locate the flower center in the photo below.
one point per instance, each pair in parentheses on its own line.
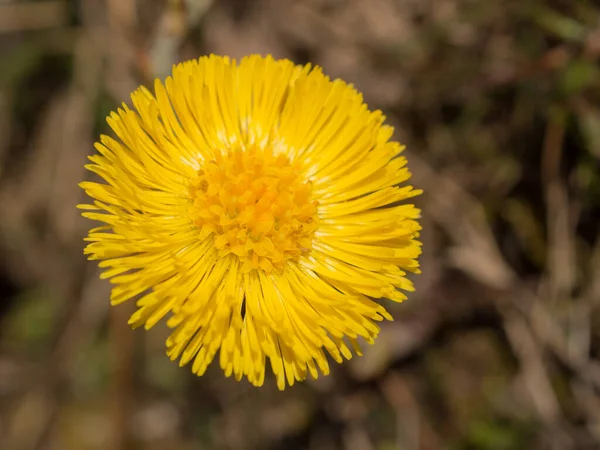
(257,206)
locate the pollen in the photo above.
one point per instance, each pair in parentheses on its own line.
(257,205)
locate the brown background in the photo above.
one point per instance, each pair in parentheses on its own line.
(498,349)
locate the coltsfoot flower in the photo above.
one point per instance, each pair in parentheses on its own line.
(260,205)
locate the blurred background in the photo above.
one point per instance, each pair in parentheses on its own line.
(498,349)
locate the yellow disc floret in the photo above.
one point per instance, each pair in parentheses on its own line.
(256,205)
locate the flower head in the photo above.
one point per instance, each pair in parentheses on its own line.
(259,204)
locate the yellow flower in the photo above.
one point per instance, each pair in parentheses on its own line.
(259,204)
